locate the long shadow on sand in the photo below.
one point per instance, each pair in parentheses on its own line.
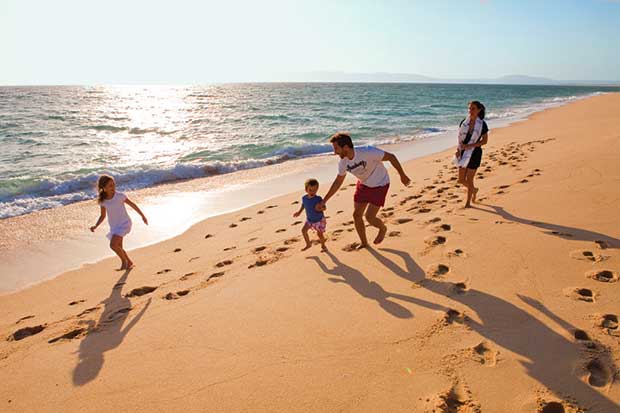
(106,334)
(343,273)
(548,357)
(564,232)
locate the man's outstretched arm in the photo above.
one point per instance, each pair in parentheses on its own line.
(334,188)
(391,158)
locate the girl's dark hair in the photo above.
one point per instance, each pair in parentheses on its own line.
(480,107)
(101,183)
(341,139)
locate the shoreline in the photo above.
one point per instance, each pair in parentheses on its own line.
(510,306)
(53,251)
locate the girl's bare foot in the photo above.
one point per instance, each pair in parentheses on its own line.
(306,247)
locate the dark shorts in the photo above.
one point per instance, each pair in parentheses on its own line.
(476,159)
(371,195)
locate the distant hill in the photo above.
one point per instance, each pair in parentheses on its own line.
(383,77)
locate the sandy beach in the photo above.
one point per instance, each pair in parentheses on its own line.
(510,306)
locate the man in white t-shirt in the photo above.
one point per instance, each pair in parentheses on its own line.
(366,164)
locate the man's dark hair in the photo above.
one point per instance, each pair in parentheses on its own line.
(342,139)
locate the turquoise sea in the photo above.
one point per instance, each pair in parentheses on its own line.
(57,140)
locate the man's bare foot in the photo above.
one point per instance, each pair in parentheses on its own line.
(362,246)
(473,197)
(467,206)
(380,235)
(306,247)
(130,265)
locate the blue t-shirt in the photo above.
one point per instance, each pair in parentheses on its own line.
(309,203)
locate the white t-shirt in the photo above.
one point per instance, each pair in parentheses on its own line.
(116,211)
(367,166)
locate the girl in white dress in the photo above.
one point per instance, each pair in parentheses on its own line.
(112,204)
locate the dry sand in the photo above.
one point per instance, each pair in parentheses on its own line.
(511,306)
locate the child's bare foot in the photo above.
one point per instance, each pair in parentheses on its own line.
(362,246)
(306,247)
(380,235)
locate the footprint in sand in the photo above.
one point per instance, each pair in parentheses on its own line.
(581,335)
(458,400)
(561,234)
(437,270)
(193,259)
(601,244)
(296,223)
(294,202)
(244,219)
(187,276)
(424,210)
(551,407)
(291,241)
(223,263)
(282,249)
(208,236)
(442,227)
(281,230)
(252,239)
(76,302)
(580,294)
(137,292)
(459,288)
(75,333)
(259,249)
(88,311)
(230,248)
(272,206)
(28,317)
(259,263)
(485,354)
(22,333)
(260,212)
(599,374)
(433,220)
(177,250)
(609,321)
(456,253)
(585,255)
(177,295)
(117,314)
(164,271)
(354,246)
(401,221)
(435,240)
(215,275)
(453,316)
(393,234)
(606,276)
(232,226)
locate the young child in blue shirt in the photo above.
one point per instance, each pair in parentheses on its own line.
(314,215)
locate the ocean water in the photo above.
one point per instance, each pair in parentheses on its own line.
(56,141)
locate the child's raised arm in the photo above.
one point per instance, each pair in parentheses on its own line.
(99,221)
(135,207)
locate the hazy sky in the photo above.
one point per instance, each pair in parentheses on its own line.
(76,42)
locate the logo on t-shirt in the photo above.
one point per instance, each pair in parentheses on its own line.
(356,165)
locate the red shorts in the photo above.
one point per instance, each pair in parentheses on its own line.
(367,194)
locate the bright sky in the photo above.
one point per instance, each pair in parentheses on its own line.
(183,41)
